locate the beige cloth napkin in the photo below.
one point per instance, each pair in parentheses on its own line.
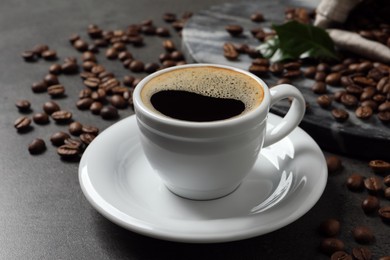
(331,12)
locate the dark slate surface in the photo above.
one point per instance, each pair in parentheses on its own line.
(204,37)
(43,213)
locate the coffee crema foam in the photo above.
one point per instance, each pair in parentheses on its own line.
(208,81)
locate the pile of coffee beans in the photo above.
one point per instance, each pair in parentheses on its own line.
(104,93)
(376,185)
(351,85)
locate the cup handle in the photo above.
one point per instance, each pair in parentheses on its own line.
(293,116)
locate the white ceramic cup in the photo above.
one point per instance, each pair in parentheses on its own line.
(208,160)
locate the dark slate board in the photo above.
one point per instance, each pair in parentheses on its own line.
(204,36)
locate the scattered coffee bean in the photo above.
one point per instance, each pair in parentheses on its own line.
(258,70)
(276,68)
(384,258)
(151,67)
(55,69)
(29,56)
(330,227)
(162,32)
(349,100)
(363,235)
(96,107)
(75,128)
(80,45)
(136,66)
(340,255)
(70,68)
(88,129)
(373,184)
(355,182)
(340,115)
(76,143)
(334,164)
(39,87)
(379,166)
(40,48)
(49,55)
(330,245)
(61,116)
(56,91)
(68,151)
(22,123)
(384,116)
(169,17)
(87,138)
(361,253)
(58,139)
(23,105)
(41,118)
(319,87)
(370,204)
(324,101)
(37,146)
(234,30)
(229,51)
(50,107)
(292,66)
(84,103)
(257,17)
(364,112)
(169,45)
(109,113)
(384,213)
(387,193)
(51,79)
(118,101)
(386,180)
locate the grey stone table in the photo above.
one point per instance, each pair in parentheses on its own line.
(43,212)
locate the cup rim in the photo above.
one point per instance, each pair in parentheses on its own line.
(146,112)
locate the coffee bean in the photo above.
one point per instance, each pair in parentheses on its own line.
(331,245)
(229,51)
(49,55)
(41,118)
(340,114)
(22,123)
(177,56)
(88,56)
(370,204)
(151,67)
(373,185)
(349,100)
(292,73)
(136,40)
(379,166)
(355,182)
(276,68)
(51,79)
(384,213)
(258,70)
(354,90)
(29,56)
(387,193)
(367,93)
(23,105)
(92,82)
(324,101)
(320,76)
(385,106)
(58,139)
(169,45)
(234,29)
(361,253)
(319,87)
(87,138)
(333,79)
(39,87)
(111,53)
(37,146)
(76,143)
(310,72)
(257,17)
(118,101)
(340,255)
(363,235)
(330,227)
(85,93)
(364,112)
(80,45)
(96,107)
(162,32)
(125,55)
(50,107)
(61,116)
(136,66)
(384,116)
(109,113)
(56,91)
(68,151)
(385,257)
(292,66)
(169,17)
(148,29)
(386,180)
(84,103)
(55,69)
(39,49)
(70,68)
(88,129)
(334,164)
(99,95)
(75,128)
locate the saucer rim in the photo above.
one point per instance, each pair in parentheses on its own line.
(151,230)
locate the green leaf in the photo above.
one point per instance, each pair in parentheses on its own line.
(296,40)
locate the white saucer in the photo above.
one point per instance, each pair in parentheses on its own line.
(287,180)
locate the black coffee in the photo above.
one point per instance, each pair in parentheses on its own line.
(191,106)
(202,94)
